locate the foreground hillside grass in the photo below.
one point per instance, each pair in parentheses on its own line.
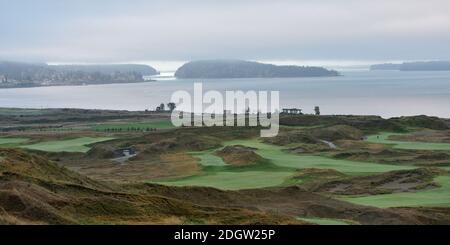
(34,190)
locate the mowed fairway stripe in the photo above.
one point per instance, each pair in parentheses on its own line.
(8,142)
(71,145)
(227,180)
(323,221)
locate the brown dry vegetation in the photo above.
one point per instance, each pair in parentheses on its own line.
(75,188)
(34,190)
(240,156)
(390,182)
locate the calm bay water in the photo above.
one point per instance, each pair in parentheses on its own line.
(385,93)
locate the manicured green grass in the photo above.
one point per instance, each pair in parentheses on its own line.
(229,180)
(282,166)
(434,197)
(207,158)
(160,124)
(322,221)
(70,145)
(11,142)
(284,159)
(383,138)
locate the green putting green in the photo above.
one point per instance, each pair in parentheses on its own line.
(11,142)
(439,196)
(323,221)
(70,145)
(207,158)
(383,138)
(160,124)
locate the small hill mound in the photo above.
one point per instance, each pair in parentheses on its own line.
(422,121)
(14,162)
(317,173)
(238,155)
(315,139)
(368,124)
(337,132)
(289,137)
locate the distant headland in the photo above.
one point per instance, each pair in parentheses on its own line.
(17,74)
(247,69)
(414,66)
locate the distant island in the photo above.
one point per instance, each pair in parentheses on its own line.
(17,74)
(414,66)
(247,69)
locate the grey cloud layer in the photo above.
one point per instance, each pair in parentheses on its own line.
(114,31)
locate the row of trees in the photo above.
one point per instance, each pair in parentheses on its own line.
(171,106)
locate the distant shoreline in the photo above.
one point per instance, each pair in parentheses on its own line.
(37,85)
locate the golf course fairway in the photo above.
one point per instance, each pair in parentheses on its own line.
(284,165)
(383,138)
(230,180)
(322,221)
(70,145)
(280,157)
(10,142)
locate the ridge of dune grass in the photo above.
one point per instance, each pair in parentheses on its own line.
(439,196)
(159,124)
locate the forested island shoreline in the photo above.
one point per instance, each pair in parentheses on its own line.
(26,75)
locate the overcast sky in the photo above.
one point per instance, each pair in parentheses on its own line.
(133,30)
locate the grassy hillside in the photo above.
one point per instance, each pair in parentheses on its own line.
(34,190)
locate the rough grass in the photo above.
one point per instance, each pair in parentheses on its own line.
(433,197)
(383,138)
(160,124)
(69,145)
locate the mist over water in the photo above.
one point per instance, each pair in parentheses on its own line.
(384,93)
